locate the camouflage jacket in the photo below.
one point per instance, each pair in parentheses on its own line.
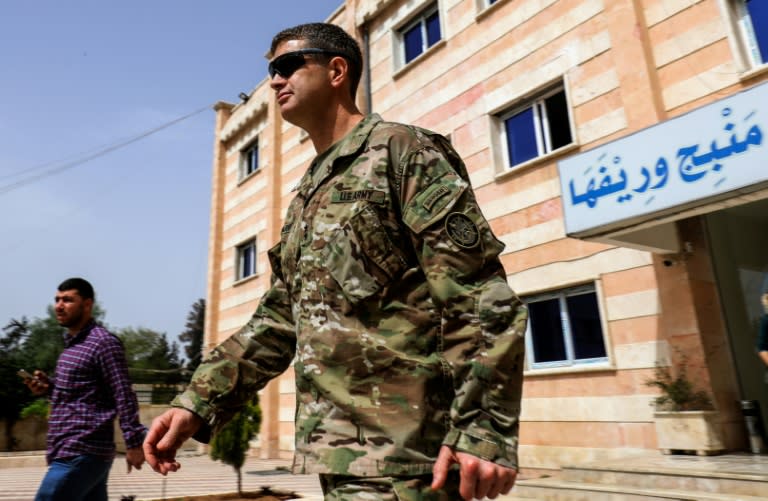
(388,296)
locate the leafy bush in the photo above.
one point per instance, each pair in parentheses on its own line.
(40,408)
(677,391)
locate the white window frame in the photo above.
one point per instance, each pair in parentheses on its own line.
(570,362)
(483,5)
(742,38)
(423,11)
(245,159)
(542,131)
(744,21)
(240,272)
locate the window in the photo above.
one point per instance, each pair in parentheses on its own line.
(249,160)
(537,129)
(246,260)
(565,329)
(421,34)
(753,21)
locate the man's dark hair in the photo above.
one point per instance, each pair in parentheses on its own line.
(329,37)
(82,286)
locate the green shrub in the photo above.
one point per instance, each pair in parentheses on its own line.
(40,408)
(230,445)
(677,391)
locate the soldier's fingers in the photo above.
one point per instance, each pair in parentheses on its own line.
(509,482)
(469,479)
(441,466)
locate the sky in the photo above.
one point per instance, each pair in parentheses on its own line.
(100,177)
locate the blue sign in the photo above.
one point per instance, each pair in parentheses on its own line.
(710,151)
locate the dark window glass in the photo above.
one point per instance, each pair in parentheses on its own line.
(547,329)
(557,116)
(246,260)
(433,29)
(521,137)
(758,12)
(566,329)
(413,43)
(251,159)
(586,331)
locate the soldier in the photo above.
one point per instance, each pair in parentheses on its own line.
(387,289)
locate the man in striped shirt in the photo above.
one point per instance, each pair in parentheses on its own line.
(90,387)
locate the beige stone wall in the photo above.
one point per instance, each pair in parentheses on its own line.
(30,432)
(625,65)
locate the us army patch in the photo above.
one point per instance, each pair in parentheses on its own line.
(462,230)
(340,197)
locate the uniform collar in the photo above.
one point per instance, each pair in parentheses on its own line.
(322,165)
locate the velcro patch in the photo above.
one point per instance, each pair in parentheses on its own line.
(462,230)
(342,197)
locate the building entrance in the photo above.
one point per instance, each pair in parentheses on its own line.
(738,241)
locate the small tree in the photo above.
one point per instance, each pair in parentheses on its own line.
(13,393)
(230,445)
(192,336)
(150,358)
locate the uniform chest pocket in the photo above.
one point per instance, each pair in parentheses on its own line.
(362,258)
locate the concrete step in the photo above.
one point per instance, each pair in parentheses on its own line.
(735,475)
(555,489)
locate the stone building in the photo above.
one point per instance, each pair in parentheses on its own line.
(616,147)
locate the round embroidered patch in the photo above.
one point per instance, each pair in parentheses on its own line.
(462,230)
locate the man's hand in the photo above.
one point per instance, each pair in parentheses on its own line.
(166,435)
(479,478)
(38,384)
(134,457)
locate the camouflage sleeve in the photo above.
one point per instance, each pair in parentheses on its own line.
(483,321)
(231,374)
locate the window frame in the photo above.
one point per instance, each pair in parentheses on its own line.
(749,39)
(244,172)
(422,13)
(741,37)
(537,102)
(570,362)
(240,249)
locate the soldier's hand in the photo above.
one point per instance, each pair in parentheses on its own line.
(479,478)
(166,436)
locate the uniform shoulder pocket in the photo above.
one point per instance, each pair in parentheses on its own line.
(433,202)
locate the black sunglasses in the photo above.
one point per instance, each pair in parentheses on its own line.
(285,64)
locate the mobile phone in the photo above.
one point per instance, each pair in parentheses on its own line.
(24,374)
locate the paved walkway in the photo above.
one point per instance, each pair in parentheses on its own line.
(198,475)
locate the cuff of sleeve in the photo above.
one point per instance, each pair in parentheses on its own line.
(135,439)
(495,450)
(192,402)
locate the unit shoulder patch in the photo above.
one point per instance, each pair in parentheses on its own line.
(462,230)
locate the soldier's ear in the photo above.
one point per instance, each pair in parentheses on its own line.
(339,70)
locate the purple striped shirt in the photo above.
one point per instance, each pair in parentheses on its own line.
(90,388)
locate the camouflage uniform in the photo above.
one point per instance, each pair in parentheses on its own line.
(388,291)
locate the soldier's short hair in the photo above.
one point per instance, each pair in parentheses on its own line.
(330,37)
